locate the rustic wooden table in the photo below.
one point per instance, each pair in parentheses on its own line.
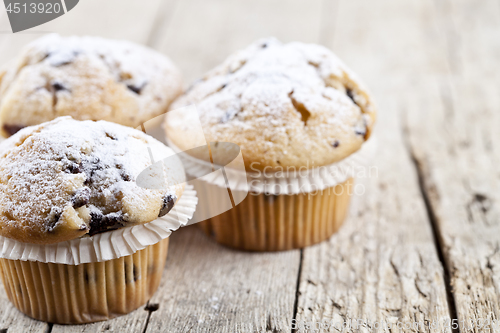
(420,245)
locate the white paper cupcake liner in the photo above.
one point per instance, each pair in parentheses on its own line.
(108,245)
(302,180)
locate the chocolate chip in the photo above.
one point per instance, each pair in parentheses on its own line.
(53,217)
(58,86)
(168,203)
(359,131)
(350,94)
(125,176)
(12,129)
(111,136)
(336,143)
(135,88)
(264,45)
(81,198)
(95,219)
(102,223)
(73,168)
(90,166)
(53,88)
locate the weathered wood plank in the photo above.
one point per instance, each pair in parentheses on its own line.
(132,322)
(11,320)
(454,137)
(382,267)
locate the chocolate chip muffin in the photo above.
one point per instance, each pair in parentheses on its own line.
(284,104)
(290,108)
(69,183)
(66,178)
(88,78)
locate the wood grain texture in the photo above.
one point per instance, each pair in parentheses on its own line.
(453,129)
(209,288)
(382,268)
(135,321)
(12,320)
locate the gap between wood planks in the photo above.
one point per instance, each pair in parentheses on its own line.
(433,221)
(297,289)
(460,164)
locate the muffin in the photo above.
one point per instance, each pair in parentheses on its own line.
(290,108)
(88,78)
(75,218)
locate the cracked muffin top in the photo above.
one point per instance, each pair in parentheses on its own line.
(88,78)
(64,179)
(285,105)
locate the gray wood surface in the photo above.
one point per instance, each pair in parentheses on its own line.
(420,245)
(453,124)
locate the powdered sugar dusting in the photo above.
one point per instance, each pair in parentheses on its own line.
(66,178)
(87,78)
(283,104)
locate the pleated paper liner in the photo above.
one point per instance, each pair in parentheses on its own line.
(284,212)
(102,278)
(265,222)
(75,294)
